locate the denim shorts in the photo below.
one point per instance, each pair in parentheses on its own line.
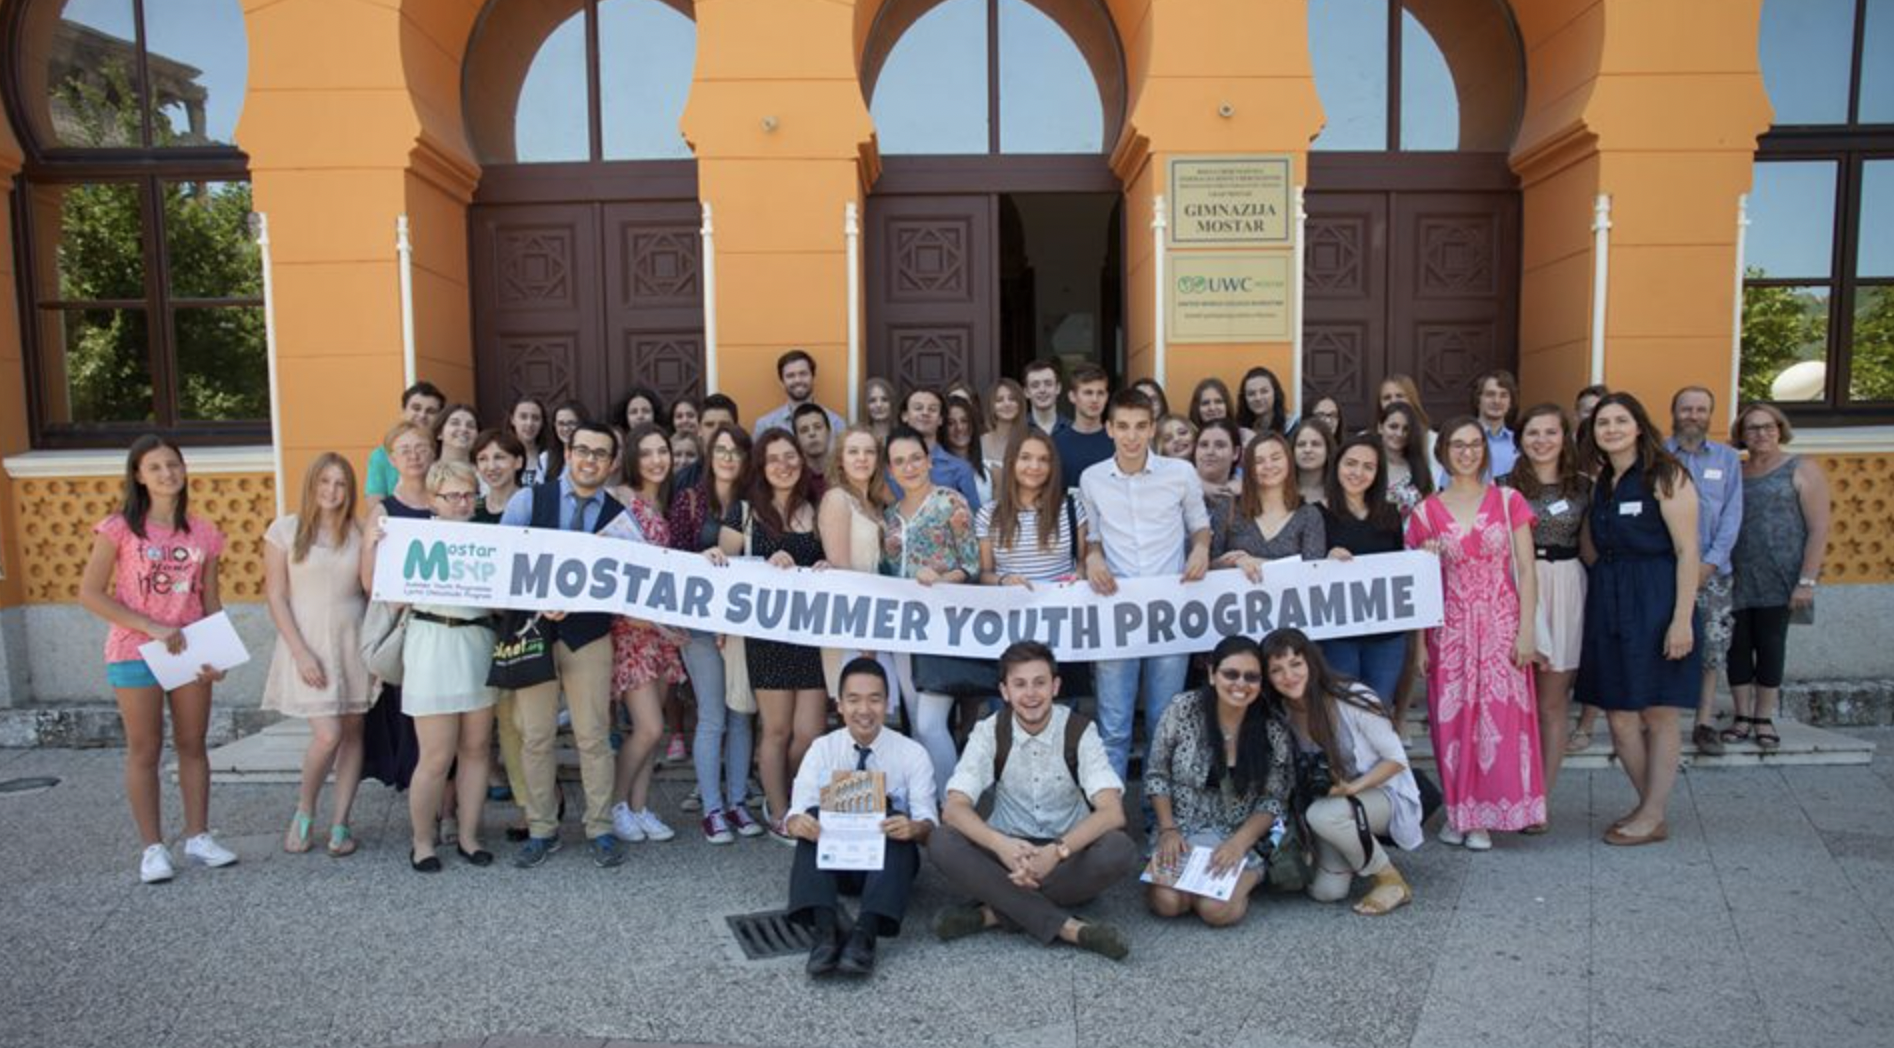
(131,673)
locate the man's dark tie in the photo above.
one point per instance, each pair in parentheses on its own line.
(861,756)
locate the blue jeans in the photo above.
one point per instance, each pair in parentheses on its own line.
(703,660)
(1374,660)
(1125,684)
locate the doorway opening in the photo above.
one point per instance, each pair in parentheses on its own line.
(1061,280)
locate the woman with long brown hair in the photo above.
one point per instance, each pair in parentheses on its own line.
(1639,661)
(850,520)
(1347,741)
(312,583)
(776,520)
(1558,494)
(1410,474)
(1270,520)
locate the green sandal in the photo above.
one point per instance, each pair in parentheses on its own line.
(341,841)
(296,841)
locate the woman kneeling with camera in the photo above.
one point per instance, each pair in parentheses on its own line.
(1352,778)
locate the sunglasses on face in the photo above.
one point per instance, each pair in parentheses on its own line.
(1241,676)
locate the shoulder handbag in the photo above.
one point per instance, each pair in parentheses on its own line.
(384,632)
(738,696)
(522,653)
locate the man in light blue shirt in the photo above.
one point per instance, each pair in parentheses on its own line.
(796,371)
(922,410)
(1148,518)
(1496,404)
(1717,472)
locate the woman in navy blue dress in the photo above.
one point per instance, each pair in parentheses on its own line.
(1639,661)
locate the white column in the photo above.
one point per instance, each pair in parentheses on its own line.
(260,229)
(1297,261)
(1160,355)
(1736,307)
(708,266)
(404,250)
(1601,282)
(851,237)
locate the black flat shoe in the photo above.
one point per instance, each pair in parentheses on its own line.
(431,864)
(858,957)
(823,958)
(477,857)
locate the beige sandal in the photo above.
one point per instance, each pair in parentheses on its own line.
(1390,893)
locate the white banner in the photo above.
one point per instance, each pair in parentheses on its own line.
(488,566)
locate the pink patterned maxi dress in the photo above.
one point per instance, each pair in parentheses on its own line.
(1482,712)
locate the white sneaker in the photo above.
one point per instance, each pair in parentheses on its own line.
(1451,837)
(1479,840)
(626,826)
(203,850)
(154,867)
(654,827)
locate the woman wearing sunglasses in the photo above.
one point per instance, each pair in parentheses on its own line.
(1219,777)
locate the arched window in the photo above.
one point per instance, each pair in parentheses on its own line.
(141,283)
(1386,84)
(994,76)
(1818,301)
(602,80)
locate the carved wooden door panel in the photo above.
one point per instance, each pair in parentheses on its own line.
(932,296)
(1455,303)
(535,304)
(654,299)
(1345,301)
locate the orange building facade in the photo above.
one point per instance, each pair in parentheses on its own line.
(355,113)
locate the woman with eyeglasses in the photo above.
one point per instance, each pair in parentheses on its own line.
(445,656)
(389,747)
(1328,411)
(722,743)
(776,520)
(565,420)
(1777,561)
(1482,712)
(1219,777)
(1345,737)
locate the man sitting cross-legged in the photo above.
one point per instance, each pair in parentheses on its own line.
(1056,838)
(862,744)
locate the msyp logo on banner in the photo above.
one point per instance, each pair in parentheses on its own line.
(434,571)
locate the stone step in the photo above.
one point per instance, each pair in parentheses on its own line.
(274,755)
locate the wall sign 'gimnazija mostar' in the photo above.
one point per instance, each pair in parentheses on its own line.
(1232,201)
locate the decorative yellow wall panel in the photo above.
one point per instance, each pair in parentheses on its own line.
(1861,537)
(57,515)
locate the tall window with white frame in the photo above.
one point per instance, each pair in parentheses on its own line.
(140,280)
(1818,289)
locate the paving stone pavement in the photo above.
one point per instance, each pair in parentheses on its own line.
(1768,919)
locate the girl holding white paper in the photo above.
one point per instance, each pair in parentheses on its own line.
(153,571)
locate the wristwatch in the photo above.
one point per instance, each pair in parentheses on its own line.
(1064,852)
(1805,581)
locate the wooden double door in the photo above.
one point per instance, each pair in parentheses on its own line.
(584,299)
(1411,266)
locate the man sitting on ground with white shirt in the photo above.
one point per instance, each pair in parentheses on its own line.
(1056,838)
(861,745)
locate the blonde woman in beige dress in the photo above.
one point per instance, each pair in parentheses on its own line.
(849,519)
(314,591)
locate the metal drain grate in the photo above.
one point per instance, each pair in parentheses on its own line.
(769,934)
(32,785)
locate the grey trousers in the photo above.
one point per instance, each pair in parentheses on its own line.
(972,870)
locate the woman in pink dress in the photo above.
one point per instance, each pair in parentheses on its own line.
(1481,709)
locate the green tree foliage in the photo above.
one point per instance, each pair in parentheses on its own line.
(1871,374)
(1781,326)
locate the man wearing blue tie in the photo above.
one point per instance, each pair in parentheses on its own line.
(862,744)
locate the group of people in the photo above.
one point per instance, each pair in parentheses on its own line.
(1582,554)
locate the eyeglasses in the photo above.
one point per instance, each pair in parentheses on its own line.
(1467,446)
(455,496)
(1761,427)
(580,451)
(1241,676)
(727,454)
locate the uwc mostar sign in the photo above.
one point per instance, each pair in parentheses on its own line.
(487,566)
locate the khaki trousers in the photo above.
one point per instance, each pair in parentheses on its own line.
(586,678)
(973,870)
(508,730)
(1338,857)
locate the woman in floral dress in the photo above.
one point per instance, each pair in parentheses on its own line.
(1481,709)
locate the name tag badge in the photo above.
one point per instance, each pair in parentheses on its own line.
(1630,509)
(1559,507)
(1713,474)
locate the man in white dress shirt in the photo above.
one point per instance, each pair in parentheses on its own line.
(1147,519)
(1056,838)
(862,744)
